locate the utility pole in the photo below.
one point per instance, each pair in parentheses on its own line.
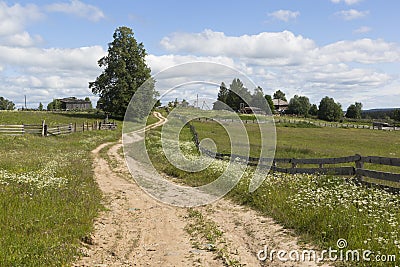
(25,101)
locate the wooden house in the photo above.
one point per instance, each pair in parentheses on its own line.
(73,103)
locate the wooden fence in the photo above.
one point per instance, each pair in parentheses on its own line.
(49,130)
(375,125)
(356,170)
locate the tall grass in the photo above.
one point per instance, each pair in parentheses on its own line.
(48,197)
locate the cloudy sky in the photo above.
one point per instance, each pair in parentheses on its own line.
(345,49)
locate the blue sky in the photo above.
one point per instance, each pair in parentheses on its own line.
(346,49)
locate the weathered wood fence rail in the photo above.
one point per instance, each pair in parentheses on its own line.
(276,164)
(50,130)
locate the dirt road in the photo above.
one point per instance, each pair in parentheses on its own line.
(137,230)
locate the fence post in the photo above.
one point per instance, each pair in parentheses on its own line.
(359,166)
(294,165)
(83,127)
(43,130)
(75,128)
(70,128)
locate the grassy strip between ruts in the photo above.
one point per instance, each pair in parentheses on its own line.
(322,209)
(48,197)
(203,230)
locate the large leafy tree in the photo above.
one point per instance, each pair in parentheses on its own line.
(6,104)
(313,110)
(55,104)
(124,71)
(329,110)
(299,105)
(354,111)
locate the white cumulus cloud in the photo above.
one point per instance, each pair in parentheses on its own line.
(348,2)
(363,29)
(13,19)
(78,8)
(263,45)
(284,15)
(352,14)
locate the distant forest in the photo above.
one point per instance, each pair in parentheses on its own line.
(378,113)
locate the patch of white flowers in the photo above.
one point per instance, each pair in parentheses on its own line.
(378,210)
(41,179)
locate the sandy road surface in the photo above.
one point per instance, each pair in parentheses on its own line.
(137,230)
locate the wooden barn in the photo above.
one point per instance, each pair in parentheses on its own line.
(73,103)
(280,105)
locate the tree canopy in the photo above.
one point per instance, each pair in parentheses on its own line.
(299,105)
(53,105)
(354,111)
(396,115)
(329,110)
(280,95)
(238,95)
(124,71)
(313,110)
(270,103)
(258,100)
(221,98)
(6,104)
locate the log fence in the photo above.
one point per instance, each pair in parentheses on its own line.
(356,170)
(374,126)
(52,130)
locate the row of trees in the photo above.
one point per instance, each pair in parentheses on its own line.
(238,95)
(327,110)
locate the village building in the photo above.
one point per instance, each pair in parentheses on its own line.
(73,103)
(280,105)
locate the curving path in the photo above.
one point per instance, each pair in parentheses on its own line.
(137,230)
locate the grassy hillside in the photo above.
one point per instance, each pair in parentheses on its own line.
(48,198)
(51,118)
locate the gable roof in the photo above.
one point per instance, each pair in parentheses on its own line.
(73,100)
(280,102)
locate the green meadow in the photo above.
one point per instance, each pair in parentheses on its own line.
(48,196)
(321,209)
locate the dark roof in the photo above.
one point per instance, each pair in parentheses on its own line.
(73,100)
